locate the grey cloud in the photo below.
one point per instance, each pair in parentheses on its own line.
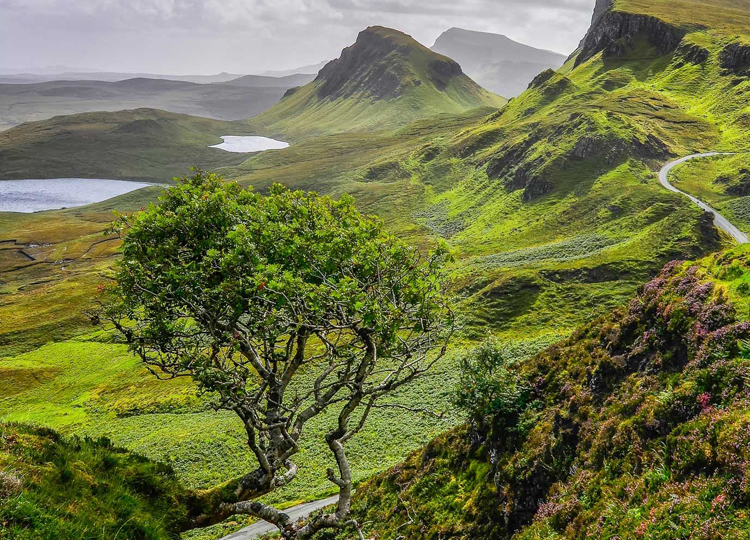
(183,36)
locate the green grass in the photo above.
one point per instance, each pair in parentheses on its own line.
(727,17)
(54,488)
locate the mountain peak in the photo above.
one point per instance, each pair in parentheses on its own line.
(385,80)
(495,61)
(382,64)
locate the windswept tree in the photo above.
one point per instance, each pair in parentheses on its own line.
(282,308)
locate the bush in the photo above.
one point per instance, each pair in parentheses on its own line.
(488,386)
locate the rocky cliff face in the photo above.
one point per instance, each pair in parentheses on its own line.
(601,7)
(735,58)
(614,32)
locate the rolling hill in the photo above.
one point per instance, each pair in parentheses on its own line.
(237,99)
(498,63)
(383,81)
(140,144)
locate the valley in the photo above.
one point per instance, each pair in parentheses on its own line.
(556,207)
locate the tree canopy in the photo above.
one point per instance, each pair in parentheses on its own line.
(244,292)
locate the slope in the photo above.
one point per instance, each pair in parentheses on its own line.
(68,489)
(383,81)
(635,427)
(135,144)
(498,63)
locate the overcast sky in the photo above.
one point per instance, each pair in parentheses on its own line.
(250,36)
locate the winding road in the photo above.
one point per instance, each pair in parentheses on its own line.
(296,512)
(720,221)
(303,510)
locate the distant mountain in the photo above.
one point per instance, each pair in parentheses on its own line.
(107,76)
(498,63)
(385,80)
(312,69)
(237,99)
(263,81)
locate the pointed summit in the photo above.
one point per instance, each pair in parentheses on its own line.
(384,80)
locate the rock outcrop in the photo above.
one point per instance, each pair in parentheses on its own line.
(735,58)
(693,53)
(615,32)
(542,78)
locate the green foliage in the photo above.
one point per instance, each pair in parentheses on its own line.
(640,430)
(244,292)
(488,384)
(68,489)
(214,263)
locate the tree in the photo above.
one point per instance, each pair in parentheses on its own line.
(281,307)
(488,386)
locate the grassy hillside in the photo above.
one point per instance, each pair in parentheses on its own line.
(723,182)
(635,427)
(143,144)
(721,17)
(67,489)
(385,80)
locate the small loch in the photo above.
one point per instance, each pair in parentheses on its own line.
(33,195)
(245,144)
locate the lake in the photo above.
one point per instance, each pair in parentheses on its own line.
(244,144)
(35,195)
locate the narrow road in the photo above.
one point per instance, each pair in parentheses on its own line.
(719,220)
(296,512)
(303,510)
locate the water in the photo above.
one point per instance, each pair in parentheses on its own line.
(35,195)
(246,144)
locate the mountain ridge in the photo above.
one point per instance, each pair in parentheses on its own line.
(384,80)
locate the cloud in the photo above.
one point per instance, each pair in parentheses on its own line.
(257,34)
